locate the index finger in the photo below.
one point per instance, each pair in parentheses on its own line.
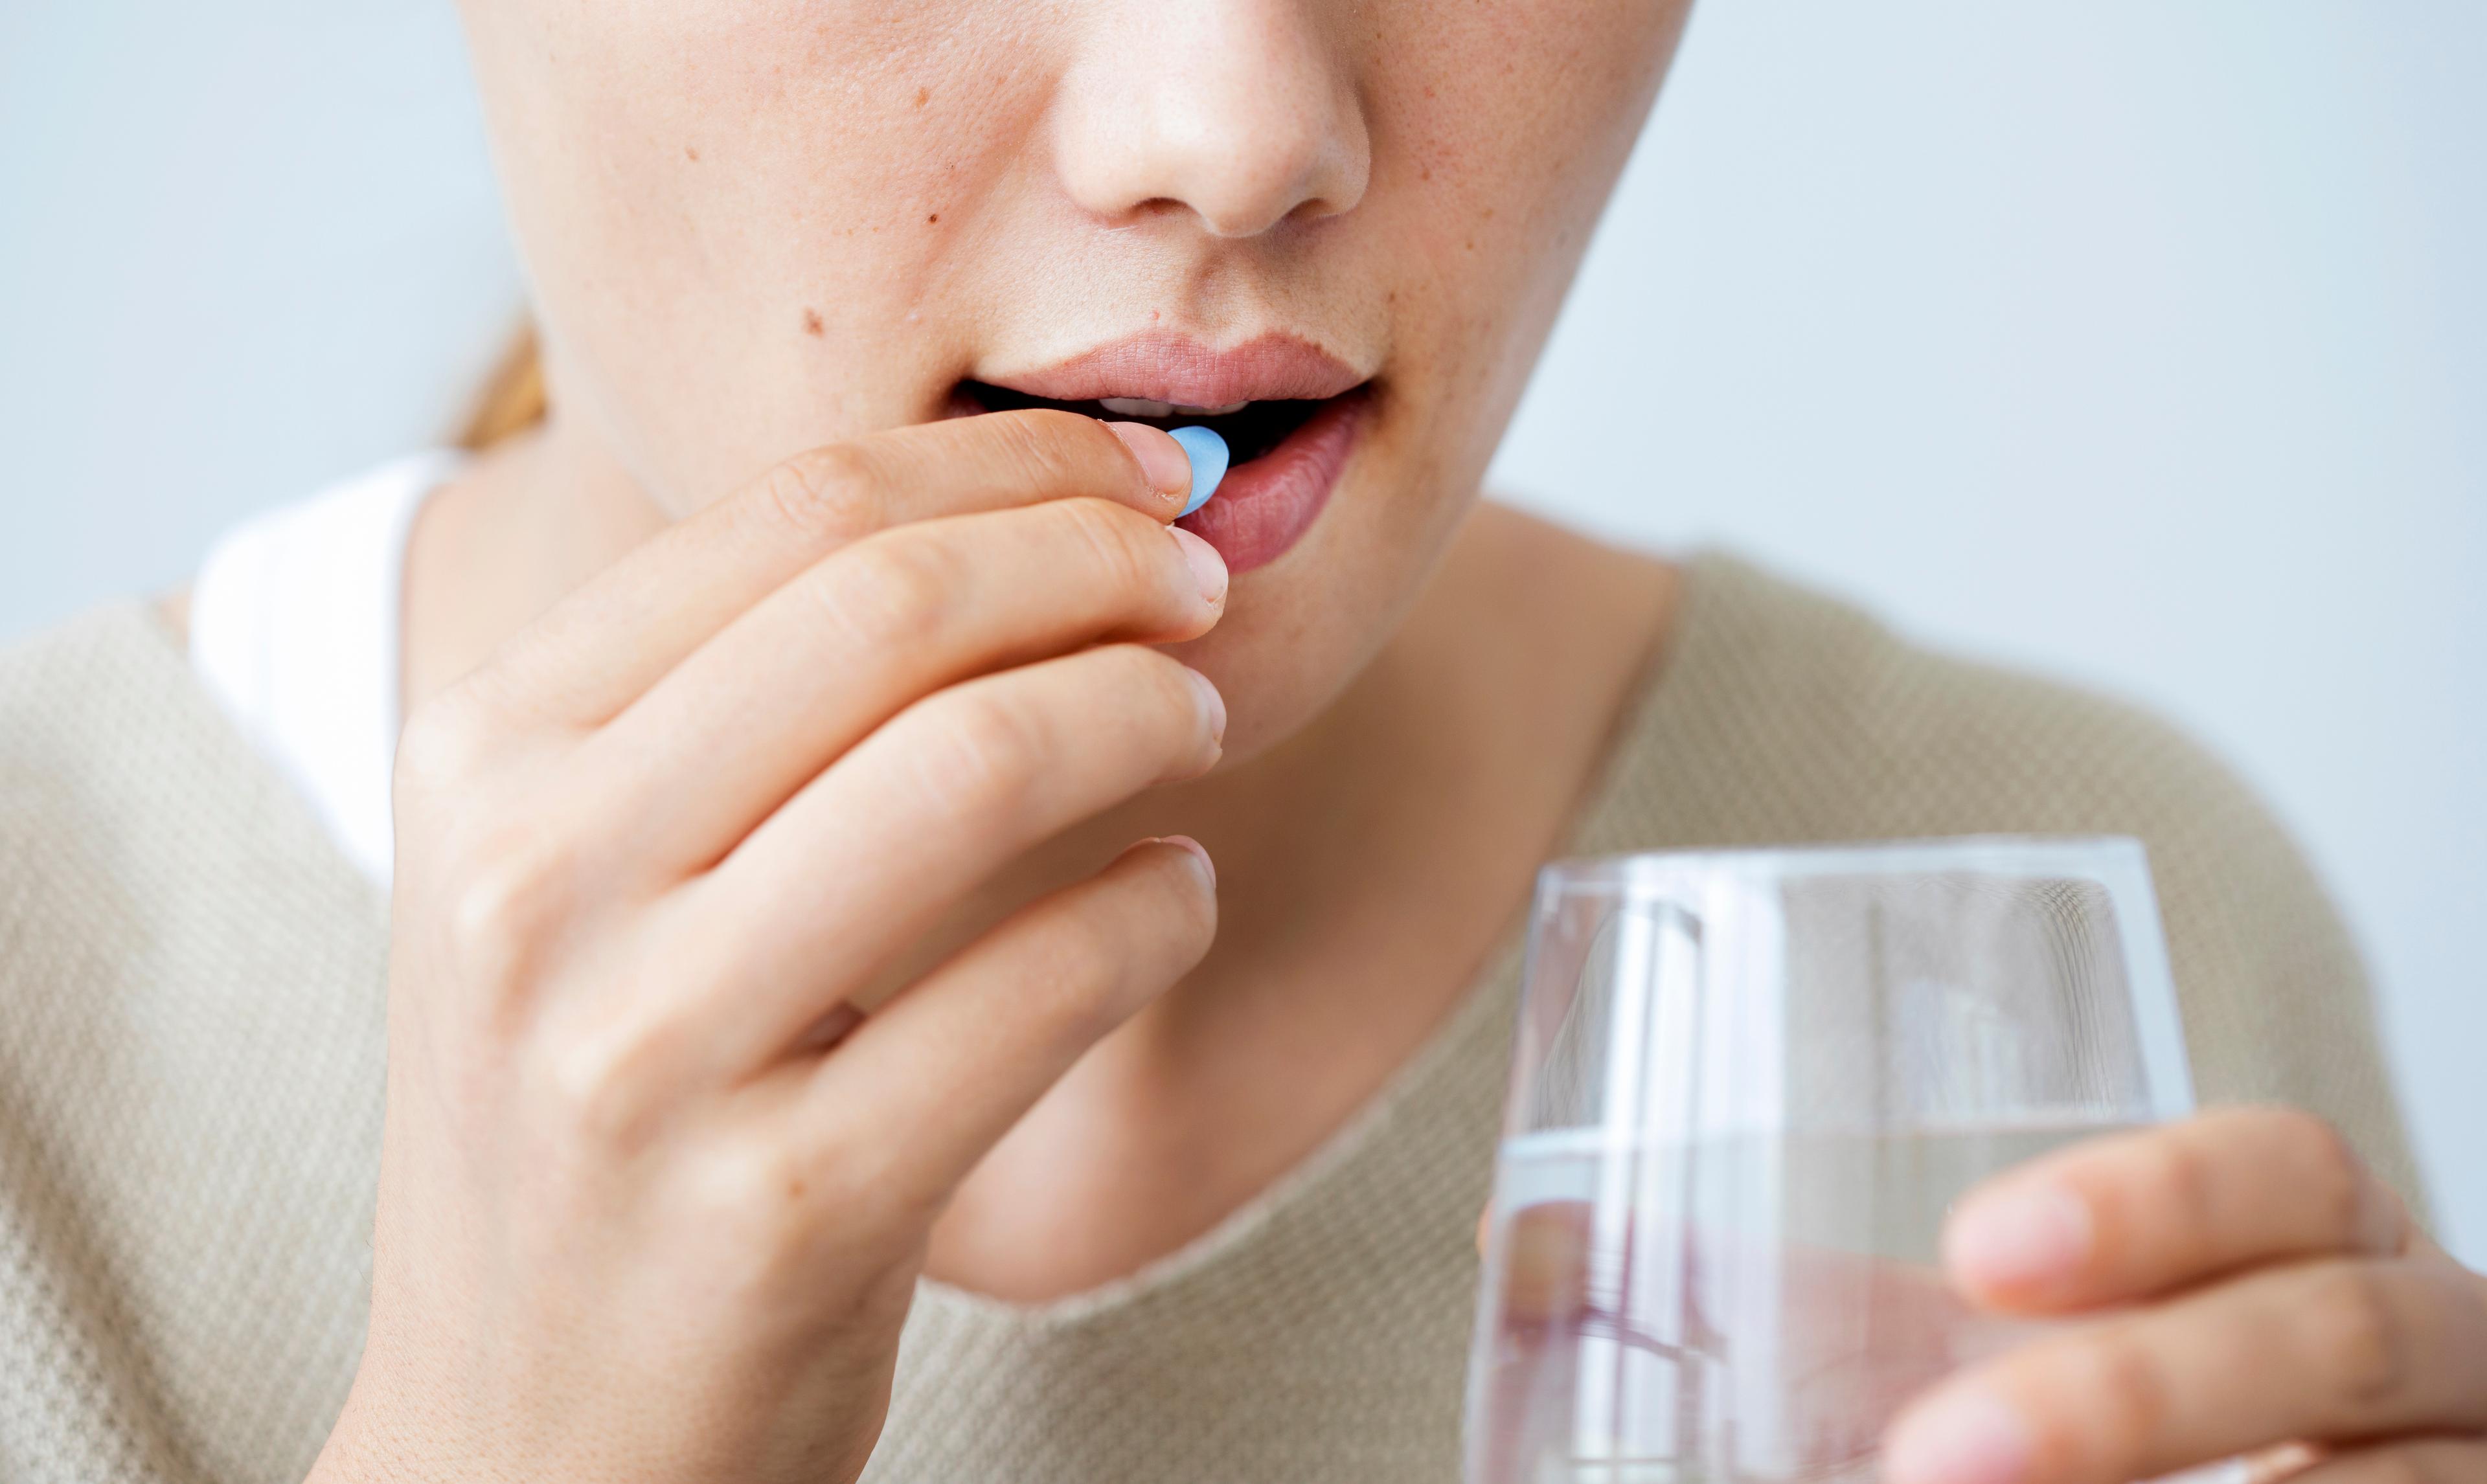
(603,647)
(2136,1215)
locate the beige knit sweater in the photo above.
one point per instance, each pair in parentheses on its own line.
(190,1058)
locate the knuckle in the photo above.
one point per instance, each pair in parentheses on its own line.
(749,1183)
(2338,1177)
(823,496)
(751,1197)
(594,1085)
(1073,981)
(1178,697)
(508,902)
(982,756)
(2183,1181)
(444,741)
(889,592)
(872,1183)
(2356,1329)
(2327,1174)
(2132,1390)
(2444,1461)
(1047,448)
(1141,934)
(773,1208)
(1156,691)
(1126,551)
(1146,672)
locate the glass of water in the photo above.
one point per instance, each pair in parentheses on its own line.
(1746,1086)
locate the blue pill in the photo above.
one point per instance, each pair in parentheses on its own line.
(1208,453)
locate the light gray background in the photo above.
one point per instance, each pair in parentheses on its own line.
(2144,343)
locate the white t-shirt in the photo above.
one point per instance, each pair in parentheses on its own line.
(293,630)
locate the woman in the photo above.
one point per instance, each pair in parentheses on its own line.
(769,966)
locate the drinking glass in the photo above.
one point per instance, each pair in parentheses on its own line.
(1746,1085)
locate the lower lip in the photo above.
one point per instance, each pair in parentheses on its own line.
(1265,506)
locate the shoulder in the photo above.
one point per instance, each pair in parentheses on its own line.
(65,688)
(191,1033)
(128,798)
(1801,716)
(1787,715)
(89,710)
(163,894)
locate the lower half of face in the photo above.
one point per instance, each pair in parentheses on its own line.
(1336,232)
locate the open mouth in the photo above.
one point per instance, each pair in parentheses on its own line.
(1288,454)
(1293,415)
(1251,429)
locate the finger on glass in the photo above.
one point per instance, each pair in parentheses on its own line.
(2141,1214)
(1746,1086)
(2335,1350)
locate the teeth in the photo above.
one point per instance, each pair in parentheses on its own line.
(1143,407)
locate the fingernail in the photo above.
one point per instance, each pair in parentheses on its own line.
(2019,1238)
(1970,1437)
(1199,853)
(1207,567)
(1213,705)
(1161,458)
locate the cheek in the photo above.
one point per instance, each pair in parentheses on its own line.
(730,221)
(1512,120)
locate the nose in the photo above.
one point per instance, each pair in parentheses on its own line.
(1242,111)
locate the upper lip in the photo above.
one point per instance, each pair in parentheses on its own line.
(1175,368)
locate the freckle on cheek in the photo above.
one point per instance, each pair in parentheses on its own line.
(812,322)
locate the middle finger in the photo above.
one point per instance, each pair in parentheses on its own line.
(870,854)
(701,759)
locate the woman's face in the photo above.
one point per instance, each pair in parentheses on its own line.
(758,226)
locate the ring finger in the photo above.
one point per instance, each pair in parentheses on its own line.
(2338,1349)
(867,856)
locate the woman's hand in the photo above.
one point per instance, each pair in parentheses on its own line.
(653,1195)
(2271,1298)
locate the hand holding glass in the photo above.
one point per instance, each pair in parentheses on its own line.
(1747,1086)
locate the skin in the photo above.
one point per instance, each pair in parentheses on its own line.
(749,691)
(2250,1292)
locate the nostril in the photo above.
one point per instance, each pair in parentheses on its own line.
(1298,186)
(1243,116)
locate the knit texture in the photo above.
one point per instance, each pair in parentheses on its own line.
(191,1008)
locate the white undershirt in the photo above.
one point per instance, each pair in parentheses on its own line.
(293,630)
